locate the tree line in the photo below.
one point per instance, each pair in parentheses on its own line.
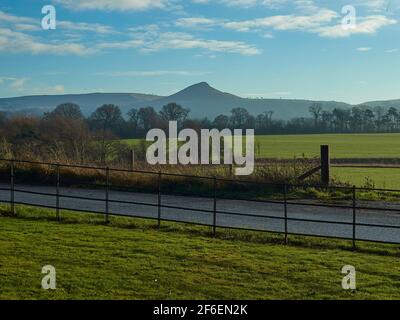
(108,120)
(65,133)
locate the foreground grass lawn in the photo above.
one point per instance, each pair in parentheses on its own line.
(342,145)
(131,259)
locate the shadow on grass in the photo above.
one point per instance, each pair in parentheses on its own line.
(143,224)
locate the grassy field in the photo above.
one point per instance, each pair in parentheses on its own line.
(131,259)
(380,177)
(342,145)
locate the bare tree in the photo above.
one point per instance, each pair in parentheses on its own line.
(174,112)
(316,111)
(67,110)
(106,117)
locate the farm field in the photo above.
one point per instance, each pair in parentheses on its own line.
(342,145)
(383,178)
(131,259)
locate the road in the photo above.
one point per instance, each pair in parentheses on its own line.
(235,206)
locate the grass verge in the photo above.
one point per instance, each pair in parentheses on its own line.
(132,259)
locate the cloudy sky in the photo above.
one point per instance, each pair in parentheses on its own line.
(253,48)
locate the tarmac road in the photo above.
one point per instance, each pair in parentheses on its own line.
(235,206)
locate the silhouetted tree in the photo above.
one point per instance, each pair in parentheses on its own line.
(67,110)
(174,112)
(107,118)
(221,122)
(241,119)
(316,111)
(147,118)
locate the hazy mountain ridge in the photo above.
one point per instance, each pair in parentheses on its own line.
(88,102)
(202,99)
(383,103)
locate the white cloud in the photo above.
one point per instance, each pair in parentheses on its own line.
(47,89)
(365,25)
(121,5)
(197,22)
(18,83)
(152,73)
(9,18)
(364,49)
(18,42)
(312,18)
(30,24)
(240,3)
(150,39)
(308,5)
(27,27)
(180,40)
(374,5)
(285,22)
(326,23)
(57,89)
(126,44)
(16,36)
(273,4)
(14,82)
(22,34)
(86,27)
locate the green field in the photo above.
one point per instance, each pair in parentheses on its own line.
(380,177)
(342,145)
(131,259)
(347,146)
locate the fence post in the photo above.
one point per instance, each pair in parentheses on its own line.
(131,159)
(12,187)
(286,213)
(159,198)
(325,165)
(58,192)
(215,208)
(107,193)
(354,217)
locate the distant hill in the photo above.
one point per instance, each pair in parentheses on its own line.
(87,102)
(383,103)
(202,100)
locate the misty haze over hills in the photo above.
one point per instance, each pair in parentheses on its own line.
(202,100)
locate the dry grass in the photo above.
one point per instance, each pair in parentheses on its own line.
(175,179)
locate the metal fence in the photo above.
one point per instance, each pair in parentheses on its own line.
(281,213)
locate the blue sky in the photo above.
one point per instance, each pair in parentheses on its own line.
(294,49)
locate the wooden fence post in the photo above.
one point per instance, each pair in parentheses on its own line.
(107,193)
(58,192)
(215,207)
(159,198)
(325,165)
(286,212)
(131,159)
(354,216)
(12,187)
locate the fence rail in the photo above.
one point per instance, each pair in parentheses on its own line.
(354,222)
